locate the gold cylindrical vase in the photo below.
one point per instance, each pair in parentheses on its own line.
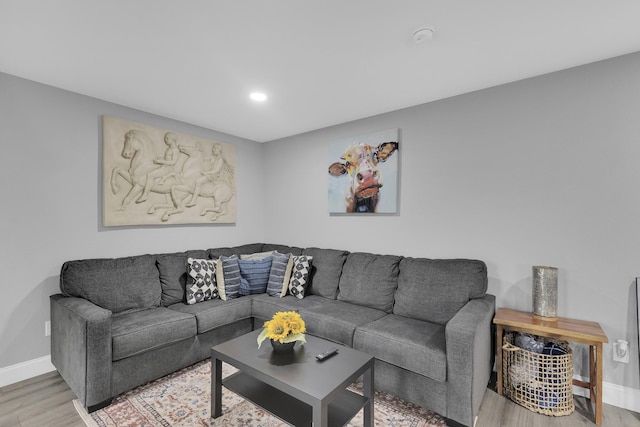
(545,292)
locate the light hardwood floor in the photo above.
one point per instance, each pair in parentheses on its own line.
(46,401)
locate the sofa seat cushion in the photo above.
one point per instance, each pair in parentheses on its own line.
(337,320)
(214,313)
(141,331)
(369,280)
(264,306)
(411,344)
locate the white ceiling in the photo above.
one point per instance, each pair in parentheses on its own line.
(321,62)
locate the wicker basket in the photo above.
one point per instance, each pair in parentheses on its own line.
(540,382)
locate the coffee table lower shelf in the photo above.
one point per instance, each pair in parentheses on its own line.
(291,410)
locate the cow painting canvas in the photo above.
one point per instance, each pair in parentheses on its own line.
(364,174)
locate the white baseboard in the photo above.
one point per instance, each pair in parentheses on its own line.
(616,395)
(25,370)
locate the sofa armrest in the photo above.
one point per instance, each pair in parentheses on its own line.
(81,347)
(469,343)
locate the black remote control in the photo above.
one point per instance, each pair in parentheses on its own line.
(327,354)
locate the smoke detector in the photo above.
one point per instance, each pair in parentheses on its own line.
(423,34)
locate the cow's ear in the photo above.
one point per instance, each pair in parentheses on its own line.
(337,169)
(386,149)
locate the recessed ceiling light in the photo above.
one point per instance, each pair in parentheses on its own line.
(258,96)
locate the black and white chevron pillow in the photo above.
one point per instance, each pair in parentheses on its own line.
(300,275)
(201,280)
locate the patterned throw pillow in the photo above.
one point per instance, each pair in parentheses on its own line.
(300,275)
(254,275)
(201,280)
(280,274)
(228,277)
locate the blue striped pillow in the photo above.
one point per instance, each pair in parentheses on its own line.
(254,275)
(279,275)
(228,277)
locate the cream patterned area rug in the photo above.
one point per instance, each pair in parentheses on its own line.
(184,398)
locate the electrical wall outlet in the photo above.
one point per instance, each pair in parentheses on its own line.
(621,351)
(47,328)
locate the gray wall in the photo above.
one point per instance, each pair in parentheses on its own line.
(538,172)
(51,209)
(541,171)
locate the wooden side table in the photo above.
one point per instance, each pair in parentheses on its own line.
(578,331)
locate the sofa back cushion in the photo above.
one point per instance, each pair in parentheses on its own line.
(216,253)
(249,248)
(173,274)
(283,249)
(369,280)
(118,284)
(435,290)
(172,269)
(325,271)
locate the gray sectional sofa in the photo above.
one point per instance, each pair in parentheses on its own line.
(119,323)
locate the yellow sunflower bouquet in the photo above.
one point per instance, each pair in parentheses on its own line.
(284,327)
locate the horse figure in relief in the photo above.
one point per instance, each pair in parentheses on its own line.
(145,172)
(207,175)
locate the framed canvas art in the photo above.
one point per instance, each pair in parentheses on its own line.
(364,174)
(638,310)
(154,176)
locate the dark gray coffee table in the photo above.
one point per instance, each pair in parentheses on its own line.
(295,387)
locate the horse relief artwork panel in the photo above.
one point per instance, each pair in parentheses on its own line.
(363,173)
(154,176)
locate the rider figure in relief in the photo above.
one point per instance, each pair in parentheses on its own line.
(215,163)
(166,166)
